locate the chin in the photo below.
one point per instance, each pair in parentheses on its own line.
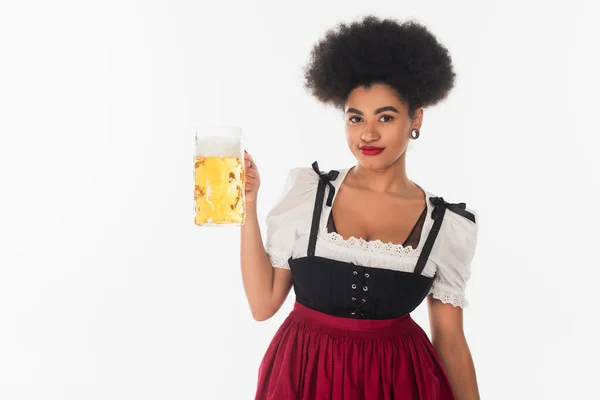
(373,162)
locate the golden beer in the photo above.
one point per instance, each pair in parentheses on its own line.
(219,196)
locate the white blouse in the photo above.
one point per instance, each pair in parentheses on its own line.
(288,229)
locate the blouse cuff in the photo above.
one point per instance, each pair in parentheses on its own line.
(447,297)
(279,261)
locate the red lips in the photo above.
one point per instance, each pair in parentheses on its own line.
(371,150)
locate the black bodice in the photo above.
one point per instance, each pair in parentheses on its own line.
(348,290)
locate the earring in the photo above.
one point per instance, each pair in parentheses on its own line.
(415,133)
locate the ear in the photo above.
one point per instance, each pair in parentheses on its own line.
(418,119)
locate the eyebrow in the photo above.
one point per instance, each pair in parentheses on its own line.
(379,110)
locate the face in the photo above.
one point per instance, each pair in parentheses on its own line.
(378,126)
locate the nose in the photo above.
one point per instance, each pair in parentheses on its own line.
(369,135)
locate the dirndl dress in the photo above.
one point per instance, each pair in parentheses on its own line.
(340,343)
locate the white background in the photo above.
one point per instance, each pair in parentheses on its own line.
(109,291)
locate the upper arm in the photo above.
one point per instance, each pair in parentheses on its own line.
(282,224)
(283,219)
(453,253)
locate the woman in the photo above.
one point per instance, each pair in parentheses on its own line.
(364,246)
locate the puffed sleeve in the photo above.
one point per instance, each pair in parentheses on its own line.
(453,253)
(283,219)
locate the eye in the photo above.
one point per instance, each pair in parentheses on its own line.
(353,121)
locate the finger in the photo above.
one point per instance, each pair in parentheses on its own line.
(250,164)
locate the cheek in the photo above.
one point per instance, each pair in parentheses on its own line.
(400,141)
(397,144)
(401,146)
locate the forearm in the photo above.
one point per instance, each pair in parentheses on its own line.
(458,364)
(257,271)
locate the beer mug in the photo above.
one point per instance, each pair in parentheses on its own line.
(219,196)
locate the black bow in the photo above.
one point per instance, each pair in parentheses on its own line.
(327,178)
(459,208)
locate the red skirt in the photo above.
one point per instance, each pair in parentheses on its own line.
(316,356)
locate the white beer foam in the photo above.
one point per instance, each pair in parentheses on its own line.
(219,141)
(218,147)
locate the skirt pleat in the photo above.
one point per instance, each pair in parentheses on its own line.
(316,356)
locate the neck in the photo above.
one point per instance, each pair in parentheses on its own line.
(391,180)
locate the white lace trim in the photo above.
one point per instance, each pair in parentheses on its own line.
(278,261)
(449,298)
(371,246)
(369,254)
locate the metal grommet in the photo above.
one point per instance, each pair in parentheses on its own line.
(354,286)
(364,301)
(366,275)
(355,273)
(354,299)
(365,288)
(353,312)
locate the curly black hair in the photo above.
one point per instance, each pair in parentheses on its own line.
(405,56)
